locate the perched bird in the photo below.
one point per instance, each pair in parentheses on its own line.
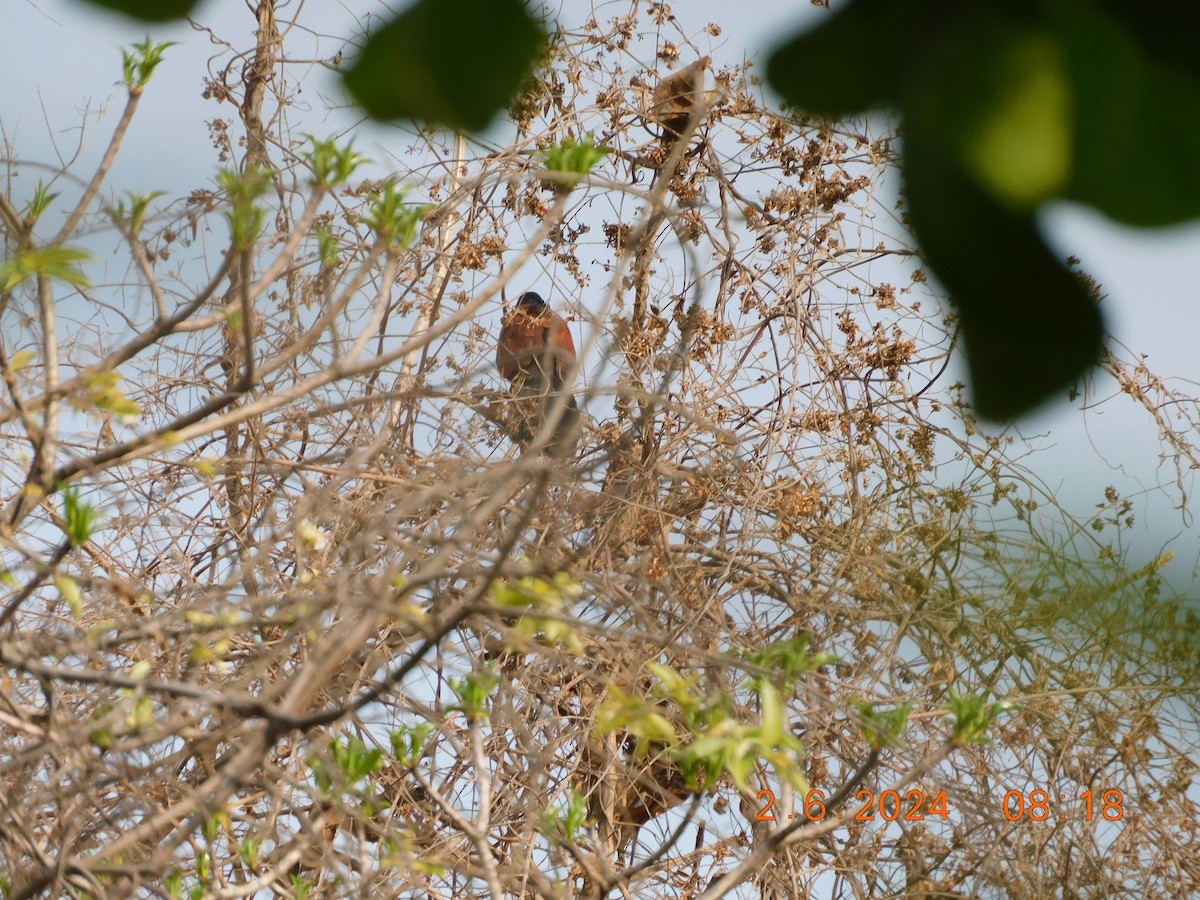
(676,95)
(535,342)
(535,352)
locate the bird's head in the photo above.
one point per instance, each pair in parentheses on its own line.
(531,303)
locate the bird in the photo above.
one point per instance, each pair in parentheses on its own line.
(535,352)
(676,95)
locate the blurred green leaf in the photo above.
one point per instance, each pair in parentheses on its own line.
(68,589)
(473,691)
(644,721)
(973,715)
(812,71)
(882,727)
(134,217)
(394,221)
(1137,129)
(408,742)
(789,661)
(80,517)
(1166,31)
(547,594)
(1030,327)
(999,98)
(772,712)
(250,849)
(447,62)
(566,823)
(355,759)
(21,359)
(1006,106)
(153,11)
(56,262)
(102,738)
(327,245)
(246,216)
(104,394)
(736,748)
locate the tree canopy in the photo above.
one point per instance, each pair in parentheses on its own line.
(292,602)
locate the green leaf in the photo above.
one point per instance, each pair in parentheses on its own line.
(565,824)
(1165,31)
(473,692)
(549,631)
(154,11)
(250,849)
(408,742)
(68,589)
(676,685)
(80,517)
(1022,144)
(973,715)
(246,216)
(21,359)
(394,221)
(739,766)
(789,660)
(567,163)
(355,759)
(1006,106)
(772,713)
(1066,98)
(1137,128)
(133,217)
(447,62)
(104,395)
(547,594)
(327,245)
(205,466)
(301,887)
(331,165)
(882,727)
(42,198)
(641,719)
(812,71)
(1030,327)
(56,262)
(430,867)
(140,66)
(999,97)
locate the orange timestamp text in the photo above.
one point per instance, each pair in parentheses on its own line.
(1039,805)
(889,805)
